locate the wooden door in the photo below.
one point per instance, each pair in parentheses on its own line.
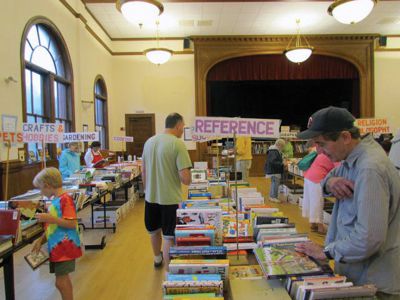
(141,127)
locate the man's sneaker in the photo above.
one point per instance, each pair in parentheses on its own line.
(274,200)
(159,264)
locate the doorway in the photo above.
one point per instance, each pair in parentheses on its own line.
(141,127)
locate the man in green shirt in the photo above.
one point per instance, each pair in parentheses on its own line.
(166,164)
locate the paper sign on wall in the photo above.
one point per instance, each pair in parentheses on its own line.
(49,133)
(81,137)
(212,126)
(127,139)
(375,126)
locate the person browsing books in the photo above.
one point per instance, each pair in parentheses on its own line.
(274,167)
(70,160)
(61,230)
(93,157)
(166,164)
(363,236)
(243,156)
(313,200)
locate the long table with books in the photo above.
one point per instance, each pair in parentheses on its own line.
(236,246)
(25,206)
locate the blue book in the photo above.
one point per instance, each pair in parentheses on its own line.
(193,277)
(198,250)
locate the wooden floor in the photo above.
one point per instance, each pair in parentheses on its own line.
(124,269)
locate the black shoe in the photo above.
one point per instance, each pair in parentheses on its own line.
(159,264)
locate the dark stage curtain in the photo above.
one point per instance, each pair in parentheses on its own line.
(277,67)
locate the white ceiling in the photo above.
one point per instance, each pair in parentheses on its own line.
(251,18)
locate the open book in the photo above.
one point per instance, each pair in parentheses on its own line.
(104,160)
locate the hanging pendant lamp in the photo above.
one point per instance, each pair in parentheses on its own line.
(140,12)
(158,56)
(351,11)
(299,52)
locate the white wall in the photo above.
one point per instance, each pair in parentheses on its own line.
(142,86)
(387,87)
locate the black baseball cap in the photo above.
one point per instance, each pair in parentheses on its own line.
(328,119)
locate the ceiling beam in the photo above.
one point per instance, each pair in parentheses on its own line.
(210,1)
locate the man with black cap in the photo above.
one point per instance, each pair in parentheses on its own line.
(364,235)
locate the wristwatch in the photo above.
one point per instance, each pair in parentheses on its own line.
(327,253)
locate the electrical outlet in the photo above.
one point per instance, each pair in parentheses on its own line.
(21,154)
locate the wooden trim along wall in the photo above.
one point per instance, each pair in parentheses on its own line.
(20,176)
(357,49)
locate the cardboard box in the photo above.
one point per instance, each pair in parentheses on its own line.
(113,215)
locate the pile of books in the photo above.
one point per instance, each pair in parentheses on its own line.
(326,286)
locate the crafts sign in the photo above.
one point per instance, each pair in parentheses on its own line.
(81,137)
(128,139)
(375,126)
(49,133)
(211,126)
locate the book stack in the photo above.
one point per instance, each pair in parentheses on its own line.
(6,244)
(190,251)
(199,216)
(192,284)
(200,266)
(195,235)
(327,286)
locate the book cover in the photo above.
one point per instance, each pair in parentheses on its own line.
(191,287)
(193,241)
(9,222)
(245,272)
(35,260)
(193,277)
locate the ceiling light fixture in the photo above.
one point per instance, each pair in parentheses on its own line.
(298,53)
(351,11)
(140,12)
(158,56)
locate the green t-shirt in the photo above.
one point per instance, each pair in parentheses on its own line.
(164,156)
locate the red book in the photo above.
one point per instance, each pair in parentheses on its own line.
(193,241)
(9,222)
(241,239)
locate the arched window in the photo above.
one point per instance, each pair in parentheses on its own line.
(47,81)
(100,110)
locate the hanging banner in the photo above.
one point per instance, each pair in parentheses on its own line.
(127,139)
(49,133)
(375,126)
(81,137)
(190,135)
(11,137)
(216,126)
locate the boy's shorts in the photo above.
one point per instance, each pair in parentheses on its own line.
(62,267)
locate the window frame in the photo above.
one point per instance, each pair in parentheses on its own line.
(104,98)
(49,80)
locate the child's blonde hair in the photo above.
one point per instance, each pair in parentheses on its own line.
(49,176)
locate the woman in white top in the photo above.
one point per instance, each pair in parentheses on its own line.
(93,157)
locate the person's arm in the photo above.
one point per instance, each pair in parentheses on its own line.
(38,243)
(371,193)
(88,158)
(183,163)
(48,218)
(143,173)
(185,176)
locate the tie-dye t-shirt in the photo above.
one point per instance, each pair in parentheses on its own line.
(63,243)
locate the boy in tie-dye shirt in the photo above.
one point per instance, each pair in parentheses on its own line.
(61,230)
